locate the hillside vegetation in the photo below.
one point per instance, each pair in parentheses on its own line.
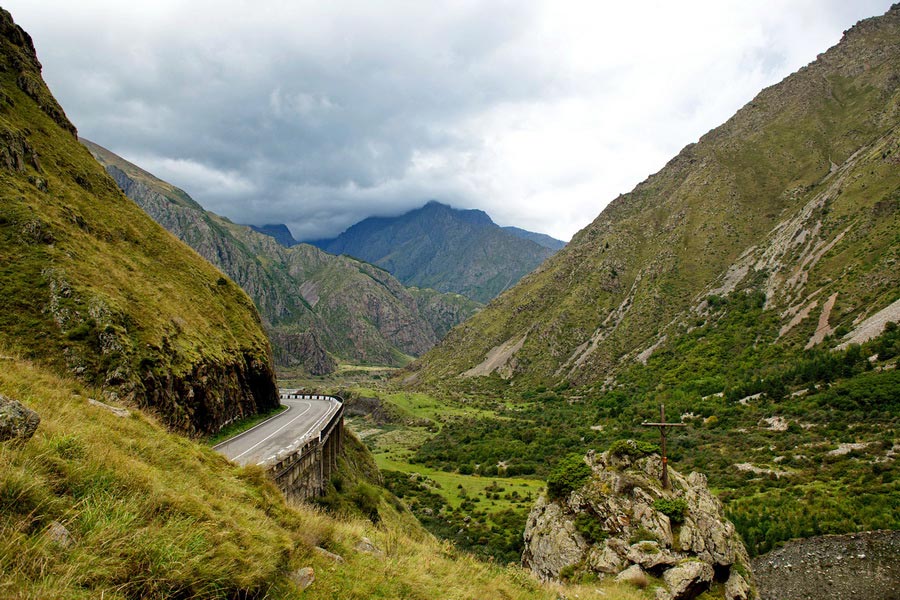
(150,514)
(92,286)
(751,286)
(797,197)
(317,308)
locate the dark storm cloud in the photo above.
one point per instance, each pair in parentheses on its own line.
(319,114)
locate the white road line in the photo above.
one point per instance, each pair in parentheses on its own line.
(273,434)
(257,426)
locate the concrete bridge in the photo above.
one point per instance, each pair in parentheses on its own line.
(299,447)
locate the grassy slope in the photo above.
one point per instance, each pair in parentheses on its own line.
(154,515)
(156,314)
(653,252)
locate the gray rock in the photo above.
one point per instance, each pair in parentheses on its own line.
(329,555)
(650,556)
(737,588)
(634,575)
(119,412)
(552,543)
(366,546)
(688,579)
(17,422)
(621,495)
(303,578)
(59,535)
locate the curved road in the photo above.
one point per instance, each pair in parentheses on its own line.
(288,430)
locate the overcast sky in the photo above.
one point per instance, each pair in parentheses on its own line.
(318,113)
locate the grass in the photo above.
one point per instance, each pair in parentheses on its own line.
(156,515)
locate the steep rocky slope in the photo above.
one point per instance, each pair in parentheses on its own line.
(796,197)
(832,567)
(94,287)
(443,248)
(315,306)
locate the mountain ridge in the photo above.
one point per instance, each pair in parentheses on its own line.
(317,307)
(787,175)
(443,248)
(180,339)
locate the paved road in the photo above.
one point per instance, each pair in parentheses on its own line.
(289,429)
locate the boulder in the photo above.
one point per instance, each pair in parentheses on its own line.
(688,580)
(17,422)
(366,546)
(552,542)
(737,588)
(634,575)
(303,578)
(690,550)
(329,555)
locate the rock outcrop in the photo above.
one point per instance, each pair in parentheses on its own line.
(17,421)
(621,520)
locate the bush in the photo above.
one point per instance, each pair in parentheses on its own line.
(590,527)
(632,448)
(674,508)
(570,474)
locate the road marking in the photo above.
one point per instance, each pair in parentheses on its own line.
(273,434)
(257,426)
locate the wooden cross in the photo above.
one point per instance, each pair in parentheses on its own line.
(662,434)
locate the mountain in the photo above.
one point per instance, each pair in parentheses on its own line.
(793,203)
(93,287)
(442,248)
(315,306)
(280,232)
(543,239)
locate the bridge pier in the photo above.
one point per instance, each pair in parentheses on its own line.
(305,473)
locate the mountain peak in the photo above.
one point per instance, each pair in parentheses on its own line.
(444,248)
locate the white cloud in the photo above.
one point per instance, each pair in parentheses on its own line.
(318,114)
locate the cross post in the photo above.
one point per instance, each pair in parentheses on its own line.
(664,477)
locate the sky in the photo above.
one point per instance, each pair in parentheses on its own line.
(319,114)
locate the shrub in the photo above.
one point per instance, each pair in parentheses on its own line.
(590,527)
(632,448)
(570,474)
(674,508)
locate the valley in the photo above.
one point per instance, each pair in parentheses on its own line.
(431,405)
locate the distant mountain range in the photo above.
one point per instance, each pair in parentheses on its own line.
(446,249)
(316,307)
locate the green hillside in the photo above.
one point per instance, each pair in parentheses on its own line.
(316,307)
(92,286)
(795,197)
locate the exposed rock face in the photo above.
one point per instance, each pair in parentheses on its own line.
(832,567)
(17,421)
(624,500)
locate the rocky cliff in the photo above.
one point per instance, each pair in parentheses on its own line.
(608,515)
(446,249)
(315,306)
(93,286)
